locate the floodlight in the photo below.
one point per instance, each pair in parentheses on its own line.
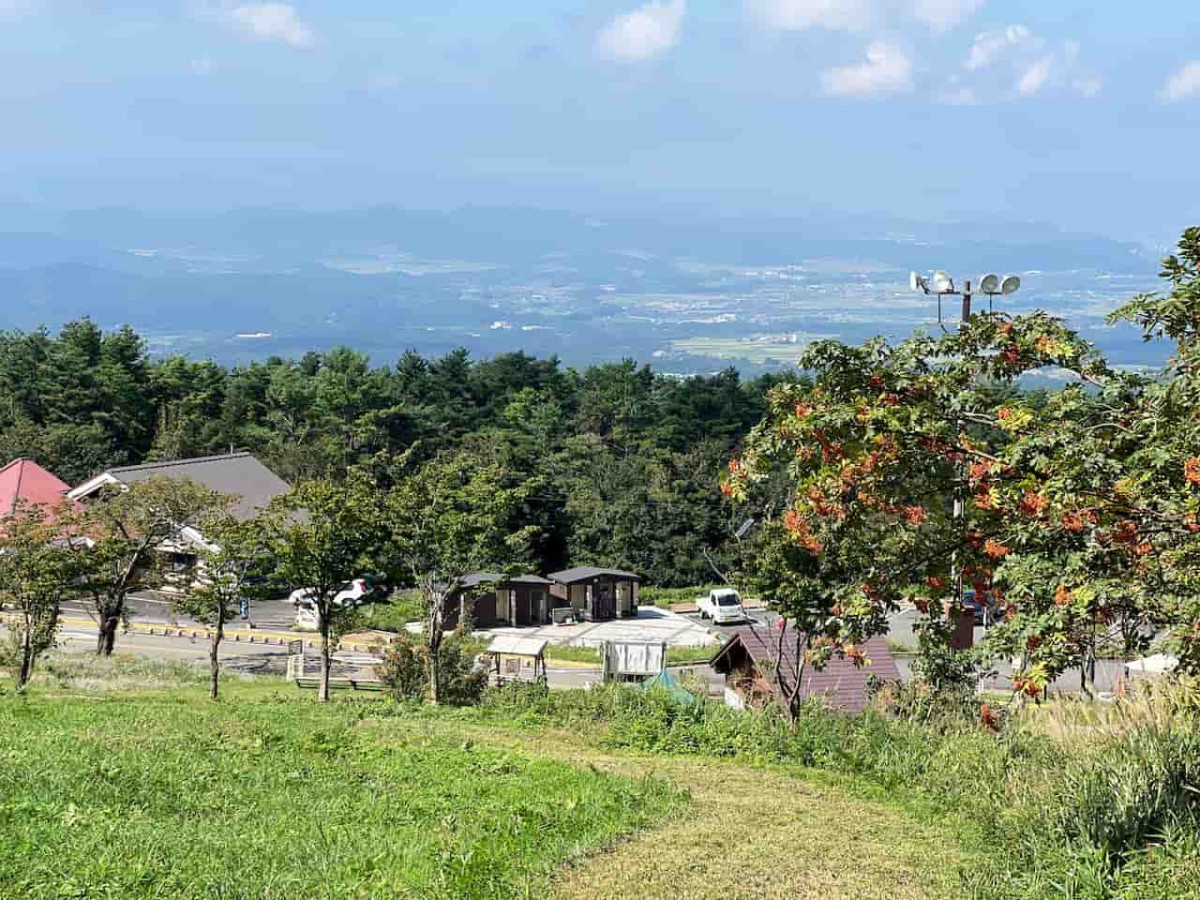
(1010,285)
(989,284)
(942,282)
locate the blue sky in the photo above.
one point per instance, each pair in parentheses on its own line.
(1080,114)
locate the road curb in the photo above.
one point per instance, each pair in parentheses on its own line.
(276,638)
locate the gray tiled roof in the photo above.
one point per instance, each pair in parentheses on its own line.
(239,474)
(477,578)
(586,573)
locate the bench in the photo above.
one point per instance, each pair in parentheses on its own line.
(360,673)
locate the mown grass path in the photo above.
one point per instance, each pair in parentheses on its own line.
(751,832)
(754,834)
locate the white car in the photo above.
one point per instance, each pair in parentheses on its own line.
(723,606)
(352,594)
(1155,666)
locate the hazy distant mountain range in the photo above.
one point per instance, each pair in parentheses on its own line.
(687,292)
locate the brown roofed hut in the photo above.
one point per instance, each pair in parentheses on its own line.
(748,662)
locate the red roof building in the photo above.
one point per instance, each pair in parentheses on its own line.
(23,482)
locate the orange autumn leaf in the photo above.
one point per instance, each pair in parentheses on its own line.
(995,548)
(1191,470)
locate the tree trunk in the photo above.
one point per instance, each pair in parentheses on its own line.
(106,639)
(435,678)
(433,642)
(26,658)
(214,664)
(323,692)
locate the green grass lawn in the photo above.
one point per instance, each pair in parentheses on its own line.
(119,779)
(676,656)
(267,794)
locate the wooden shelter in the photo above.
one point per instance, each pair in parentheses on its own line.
(748,661)
(516,659)
(596,594)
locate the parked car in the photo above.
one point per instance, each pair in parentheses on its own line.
(723,606)
(1154,666)
(352,593)
(986,611)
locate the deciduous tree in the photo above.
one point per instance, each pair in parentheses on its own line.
(233,556)
(448,518)
(322,534)
(854,480)
(37,570)
(127,528)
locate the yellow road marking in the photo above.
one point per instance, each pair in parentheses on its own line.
(233,635)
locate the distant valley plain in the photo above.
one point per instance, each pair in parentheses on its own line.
(684,293)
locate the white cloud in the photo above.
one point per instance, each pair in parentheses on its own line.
(645,33)
(1184,84)
(799,15)
(1035,76)
(12,9)
(991,46)
(1088,85)
(1028,64)
(886,70)
(942,15)
(276,22)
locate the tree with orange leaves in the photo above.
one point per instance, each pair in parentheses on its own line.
(853,479)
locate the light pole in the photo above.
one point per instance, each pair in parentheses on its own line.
(943,286)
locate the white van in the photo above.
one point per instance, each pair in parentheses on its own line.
(723,606)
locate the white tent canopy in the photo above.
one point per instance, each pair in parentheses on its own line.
(511,645)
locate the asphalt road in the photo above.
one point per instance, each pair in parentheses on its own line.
(278,616)
(235,657)
(156,609)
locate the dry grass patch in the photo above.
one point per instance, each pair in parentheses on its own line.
(757,834)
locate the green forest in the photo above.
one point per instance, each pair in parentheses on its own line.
(620,463)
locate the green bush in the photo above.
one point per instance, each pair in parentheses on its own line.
(665,596)
(393,614)
(406,670)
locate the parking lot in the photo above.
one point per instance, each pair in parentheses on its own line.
(650,624)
